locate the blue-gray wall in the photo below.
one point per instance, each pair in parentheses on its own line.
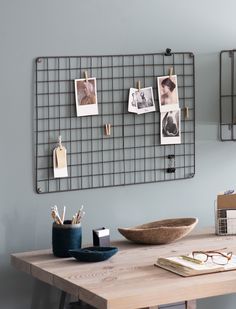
(30,28)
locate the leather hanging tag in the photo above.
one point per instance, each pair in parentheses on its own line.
(61,157)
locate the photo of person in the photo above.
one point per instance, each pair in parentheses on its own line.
(86,97)
(141,101)
(170,127)
(168,93)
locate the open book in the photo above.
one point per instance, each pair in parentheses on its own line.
(186,268)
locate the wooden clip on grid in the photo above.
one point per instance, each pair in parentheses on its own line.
(186,112)
(86,76)
(170,72)
(139,85)
(107,129)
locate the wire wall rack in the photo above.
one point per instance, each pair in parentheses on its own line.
(228,95)
(132,154)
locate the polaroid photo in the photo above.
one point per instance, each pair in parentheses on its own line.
(132,104)
(86,97)
(170,127)
(141,101)
(168,93)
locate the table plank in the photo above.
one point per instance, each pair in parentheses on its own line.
(129,279)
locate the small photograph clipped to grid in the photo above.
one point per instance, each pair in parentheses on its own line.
(170,127)
(141,100)
(168,93)
(86,97)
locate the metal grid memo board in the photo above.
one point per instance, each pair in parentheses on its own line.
(132,154)
(228,95)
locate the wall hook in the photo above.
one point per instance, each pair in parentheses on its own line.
(59,142)
(168,52)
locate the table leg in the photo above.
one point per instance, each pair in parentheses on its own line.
(62,300)
(191,304)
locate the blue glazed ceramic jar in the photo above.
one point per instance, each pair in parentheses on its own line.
(66,237)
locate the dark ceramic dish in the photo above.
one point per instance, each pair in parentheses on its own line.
(93,254)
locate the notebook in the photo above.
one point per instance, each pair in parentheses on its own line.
(182,267)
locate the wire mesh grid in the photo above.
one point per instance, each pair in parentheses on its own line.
(225,225)
(227,95)
(132,154)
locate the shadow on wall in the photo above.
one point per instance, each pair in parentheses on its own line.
(14,286)
(44,296)
(17,231)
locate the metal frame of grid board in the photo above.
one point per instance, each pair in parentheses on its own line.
(228,95)
(132,154)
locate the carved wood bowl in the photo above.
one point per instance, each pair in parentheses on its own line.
(159,232)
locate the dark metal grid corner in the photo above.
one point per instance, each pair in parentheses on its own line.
(227,95)
(132,154)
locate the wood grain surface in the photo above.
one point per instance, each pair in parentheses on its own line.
(129,279)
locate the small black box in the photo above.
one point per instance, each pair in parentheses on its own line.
(101,237)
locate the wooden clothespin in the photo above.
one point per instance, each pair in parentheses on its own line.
(139,85)
(107,129)
(86,76)
(186,112)
(170,72)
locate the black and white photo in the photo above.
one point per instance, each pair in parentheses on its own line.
(141,100)
(170,127)
(168,93)
(86,97)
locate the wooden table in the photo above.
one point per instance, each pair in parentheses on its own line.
(129,279)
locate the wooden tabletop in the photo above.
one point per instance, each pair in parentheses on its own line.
(129,279)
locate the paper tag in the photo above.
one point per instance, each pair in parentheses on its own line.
(62,171)
(61,157)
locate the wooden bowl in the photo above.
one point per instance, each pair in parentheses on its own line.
(159,232)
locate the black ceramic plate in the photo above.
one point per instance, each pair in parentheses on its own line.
(93,254)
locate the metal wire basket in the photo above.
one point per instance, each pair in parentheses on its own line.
(225,221)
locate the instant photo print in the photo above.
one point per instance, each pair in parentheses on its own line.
(168,93)
(170,127)
(86,97)
(141,101)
